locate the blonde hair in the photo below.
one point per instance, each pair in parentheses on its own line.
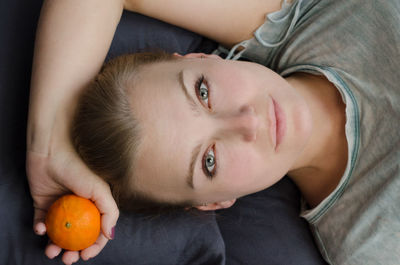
(105,132)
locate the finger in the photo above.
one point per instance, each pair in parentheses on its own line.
(105,202)
(40,212)
(40,228)
(52,251)
(70,257)
(97,190)
(38,222)
(94,249)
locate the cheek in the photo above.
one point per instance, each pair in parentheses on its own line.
(247,171)
(243,167)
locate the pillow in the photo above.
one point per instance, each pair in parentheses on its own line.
(138,33)
(265,228)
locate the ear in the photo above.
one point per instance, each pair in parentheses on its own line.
(198,55)
(216,205)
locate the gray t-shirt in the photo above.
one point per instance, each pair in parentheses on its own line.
(356,45)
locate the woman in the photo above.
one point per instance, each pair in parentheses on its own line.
(210,123)
(238,127)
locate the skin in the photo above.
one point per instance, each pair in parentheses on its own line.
(235,121)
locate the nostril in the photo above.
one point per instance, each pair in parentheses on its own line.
(251,136)
(244,123)
(247,109)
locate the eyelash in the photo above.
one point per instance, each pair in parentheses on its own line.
(202,80)
(210,175)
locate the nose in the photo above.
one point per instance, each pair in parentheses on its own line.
(245,123)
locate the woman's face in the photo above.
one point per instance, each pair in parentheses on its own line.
(215,130)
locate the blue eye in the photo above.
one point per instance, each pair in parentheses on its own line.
(209,163)
(202,90)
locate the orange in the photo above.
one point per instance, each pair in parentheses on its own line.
(73,222)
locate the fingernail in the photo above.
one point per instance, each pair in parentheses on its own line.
(112,234)
(40,229)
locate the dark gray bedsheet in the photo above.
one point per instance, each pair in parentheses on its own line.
(263,228)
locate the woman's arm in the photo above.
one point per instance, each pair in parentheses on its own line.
(225,21)
(72,40)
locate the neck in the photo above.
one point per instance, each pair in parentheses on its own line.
(324,158)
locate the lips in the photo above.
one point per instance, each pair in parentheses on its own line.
(272,122)
(280,124)
(277,122)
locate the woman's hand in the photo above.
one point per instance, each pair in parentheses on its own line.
(59,172)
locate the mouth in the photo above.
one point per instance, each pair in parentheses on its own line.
(280,124)
(272,122)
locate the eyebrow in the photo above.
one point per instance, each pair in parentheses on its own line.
(189,176)
(191,101)
(196,150)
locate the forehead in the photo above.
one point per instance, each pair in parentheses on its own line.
(168,128)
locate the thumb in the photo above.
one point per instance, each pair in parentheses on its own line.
(41,204)
(107,206)
(38,221)
(83,182)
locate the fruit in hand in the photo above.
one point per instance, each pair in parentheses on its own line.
(73,222)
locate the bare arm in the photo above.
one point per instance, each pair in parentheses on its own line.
(71,43)
(225,21)
(72,40)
